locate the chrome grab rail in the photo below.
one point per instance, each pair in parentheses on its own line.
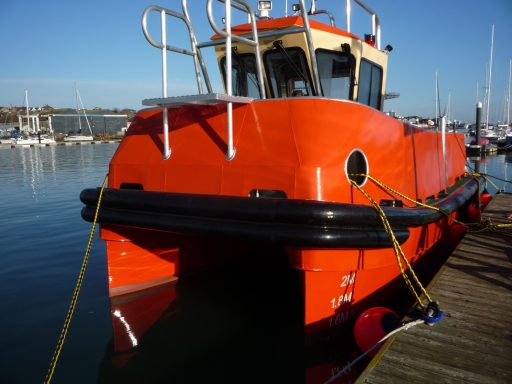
(165,47)
(243,6)
(314,11)
(307,29)
(227,39)
(194,52)
(375,19)
(197,57)
(198,51)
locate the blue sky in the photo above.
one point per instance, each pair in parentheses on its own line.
(49,45)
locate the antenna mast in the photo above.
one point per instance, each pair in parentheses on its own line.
(490,79)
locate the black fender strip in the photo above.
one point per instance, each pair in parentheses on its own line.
(294,222)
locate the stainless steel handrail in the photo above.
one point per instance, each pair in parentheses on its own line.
(254,42)
(307,29)
(198,51)
(314,11)
(243,6)
(166,47)
(375,19)
(227,39)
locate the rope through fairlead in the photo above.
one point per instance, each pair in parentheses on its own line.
(482,225)
(399,254)
(74,299)
(410,200)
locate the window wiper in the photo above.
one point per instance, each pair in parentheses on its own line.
(279,46)
(243,68)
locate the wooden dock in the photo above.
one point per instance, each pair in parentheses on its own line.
(473,343)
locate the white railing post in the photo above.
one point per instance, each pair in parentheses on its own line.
(348,10)
(230,152)
(167,149)
(443,141)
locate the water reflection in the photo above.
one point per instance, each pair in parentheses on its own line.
(43,239)
(235,323)
(497,167)
(35,163)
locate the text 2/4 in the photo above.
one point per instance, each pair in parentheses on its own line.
(346,297)
(347,280)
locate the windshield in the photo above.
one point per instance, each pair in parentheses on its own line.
(288,73)
(336,73)
(243,75)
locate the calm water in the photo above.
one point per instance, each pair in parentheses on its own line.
(43,239)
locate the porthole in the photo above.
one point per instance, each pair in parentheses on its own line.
(357,164)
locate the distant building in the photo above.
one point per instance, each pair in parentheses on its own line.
(101,124)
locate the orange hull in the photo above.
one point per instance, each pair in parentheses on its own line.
(280,146)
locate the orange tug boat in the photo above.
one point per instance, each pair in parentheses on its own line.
(205,179)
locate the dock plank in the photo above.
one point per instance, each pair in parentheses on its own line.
(473,343)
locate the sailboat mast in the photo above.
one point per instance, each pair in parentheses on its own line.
(449,106)
(78,110)
(508,97)
(490,80)
(26,107)
(83,109)
(486,88)
(438,106)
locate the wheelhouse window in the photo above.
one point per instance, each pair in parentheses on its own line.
(336,71)
(244,79)
(370,84)
(287,72)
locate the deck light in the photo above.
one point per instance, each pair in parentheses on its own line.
(296,8)
(264,7)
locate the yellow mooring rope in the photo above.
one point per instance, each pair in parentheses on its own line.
(400,256)
(74,299)
(485,223)
(476,174)
(399,194)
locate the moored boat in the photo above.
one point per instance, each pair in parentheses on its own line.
(34,139)
(77,137)
(280,160)
(70,138)
(31,133)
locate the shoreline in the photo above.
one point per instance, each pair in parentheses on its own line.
(62,143)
